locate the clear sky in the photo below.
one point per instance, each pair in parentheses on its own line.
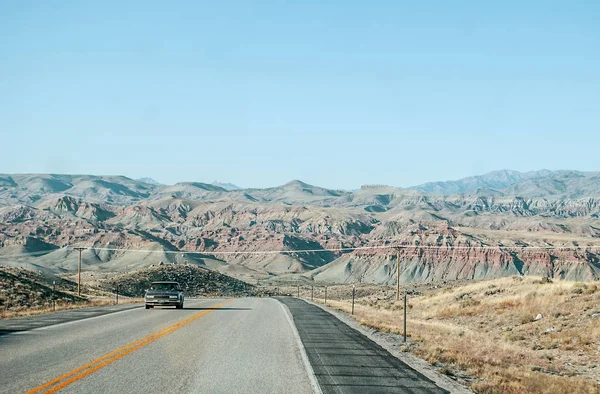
(335,93)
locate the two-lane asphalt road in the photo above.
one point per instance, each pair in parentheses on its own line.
(211,346)
(247,345)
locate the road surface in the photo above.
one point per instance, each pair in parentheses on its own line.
(247,345)
(224,346)
(345,361)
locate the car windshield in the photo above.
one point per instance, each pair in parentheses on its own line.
(163,287)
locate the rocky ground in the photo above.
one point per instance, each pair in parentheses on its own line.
(195,281)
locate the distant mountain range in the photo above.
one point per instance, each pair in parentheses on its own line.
(543,183)
(494,180)
(224,185)
(41,213)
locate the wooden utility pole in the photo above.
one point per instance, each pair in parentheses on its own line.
(397,277)
(80,249)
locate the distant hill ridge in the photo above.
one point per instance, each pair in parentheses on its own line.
(40,214)
(30,188)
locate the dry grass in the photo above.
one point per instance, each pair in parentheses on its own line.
(486,331)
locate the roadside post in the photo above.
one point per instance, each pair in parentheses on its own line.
(54,295)
(117,291)
(397,277)
(298,291)
(353,292)
(404,316)
(312,292)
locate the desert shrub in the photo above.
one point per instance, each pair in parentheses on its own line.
(512,336)
(469,302)
(531,296)
(582,288)
(591,289)
(559,292)
(493,291)
(508,304)
(463,296)
(525,318)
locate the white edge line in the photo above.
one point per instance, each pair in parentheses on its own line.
(303,355)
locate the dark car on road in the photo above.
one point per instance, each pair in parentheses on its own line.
(164,294)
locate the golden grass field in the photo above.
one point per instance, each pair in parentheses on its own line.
(485,332)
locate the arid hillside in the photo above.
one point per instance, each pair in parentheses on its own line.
(503,223)
(29,290)
(195,282)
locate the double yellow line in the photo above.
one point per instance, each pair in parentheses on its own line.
(70,377)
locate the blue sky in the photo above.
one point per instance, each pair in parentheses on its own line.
(335,93)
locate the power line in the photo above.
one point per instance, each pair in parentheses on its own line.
(350,249)
(324,250)
(29,254)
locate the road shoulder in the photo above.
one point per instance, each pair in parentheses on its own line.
(345,361)
(392,343)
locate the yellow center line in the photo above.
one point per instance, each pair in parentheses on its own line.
(101,362)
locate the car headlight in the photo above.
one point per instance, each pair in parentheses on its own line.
(174,297)
(149,296)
